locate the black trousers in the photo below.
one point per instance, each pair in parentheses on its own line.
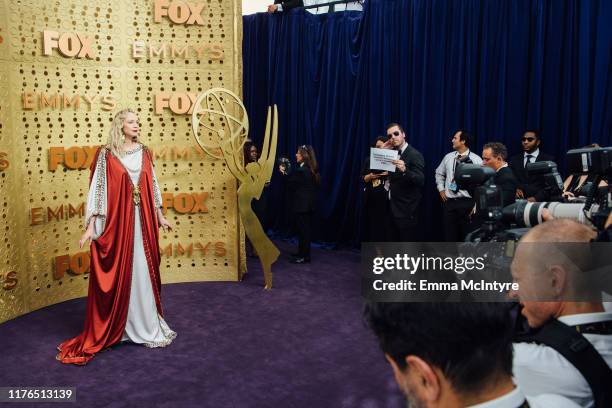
(456,218)
(405,229)
(303,226)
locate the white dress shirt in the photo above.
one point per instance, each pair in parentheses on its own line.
(445,173)
(540,369)
(533,155)
(516,398)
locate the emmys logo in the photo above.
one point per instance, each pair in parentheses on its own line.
(9,281)
(179,12)
(68,44)
(177,249)
(4,163)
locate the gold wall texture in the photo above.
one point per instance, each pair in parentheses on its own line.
(66,67)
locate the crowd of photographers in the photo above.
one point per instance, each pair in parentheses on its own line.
(526,353)
(476,189)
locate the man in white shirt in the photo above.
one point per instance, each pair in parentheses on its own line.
(452,355)
(457,204)
(547,268)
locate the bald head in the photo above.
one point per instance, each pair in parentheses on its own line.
(553,266)
(559,242)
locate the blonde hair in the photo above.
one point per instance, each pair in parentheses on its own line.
(116,138)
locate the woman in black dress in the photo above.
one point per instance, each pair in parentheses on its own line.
(375,199)
(302,185)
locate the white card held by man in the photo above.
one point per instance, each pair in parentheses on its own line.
(381,159)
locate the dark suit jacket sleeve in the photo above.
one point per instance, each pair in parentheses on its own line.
(415,165)
(516,165)
(290,4)
(508,185)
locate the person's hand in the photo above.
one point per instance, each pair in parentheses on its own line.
(383,174)
(272,8)
(568,194)
(546,215)
(282,169)
(401,166)
(520,193)
(368,177)
(388,144)
(86,237)
(443,195)
(163,222)
(531,199)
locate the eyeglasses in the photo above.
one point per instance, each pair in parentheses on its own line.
(396,133)
(528,139)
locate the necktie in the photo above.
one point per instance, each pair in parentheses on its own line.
(529,157)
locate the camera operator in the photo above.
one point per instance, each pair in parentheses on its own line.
(558,358)
(451,355)
(494,155)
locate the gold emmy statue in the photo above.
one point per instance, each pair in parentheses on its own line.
(220,124)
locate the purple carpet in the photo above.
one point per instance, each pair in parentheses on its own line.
(303,344)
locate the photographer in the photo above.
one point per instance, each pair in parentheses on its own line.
(494,155)
(545,272)
(302,185)
(452,354)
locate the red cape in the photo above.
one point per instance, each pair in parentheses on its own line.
(111,260)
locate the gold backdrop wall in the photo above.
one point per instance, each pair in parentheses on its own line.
(66,67)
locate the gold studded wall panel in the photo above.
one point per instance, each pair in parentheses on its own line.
(66,68)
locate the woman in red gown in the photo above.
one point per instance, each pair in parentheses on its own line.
(123,216)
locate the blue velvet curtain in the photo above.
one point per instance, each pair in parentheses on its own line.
(492,67)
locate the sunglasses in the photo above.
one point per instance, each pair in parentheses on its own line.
(528,139)
(396,133)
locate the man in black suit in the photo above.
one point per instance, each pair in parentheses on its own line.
(280,6)
(405,186)
(529,188)
(494,155)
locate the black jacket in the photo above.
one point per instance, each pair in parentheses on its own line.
(507,182)
(530,187)
(302,189)
(290,4)
(407,188)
